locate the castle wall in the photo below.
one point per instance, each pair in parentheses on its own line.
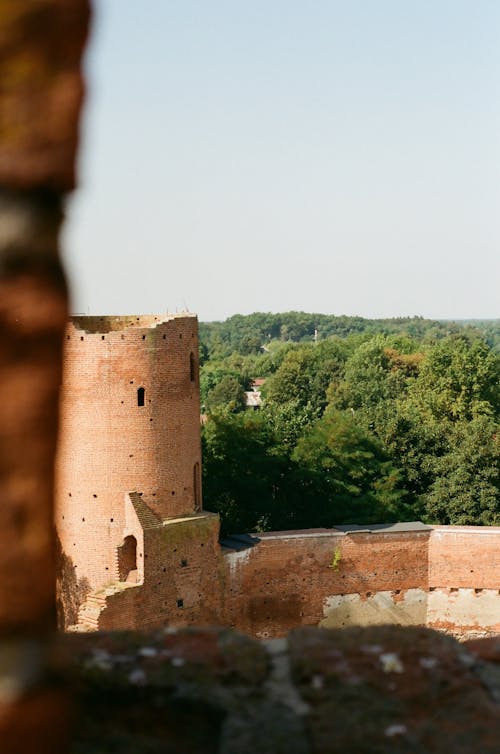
(326,577)
(137,553)
(464,556)
(319,577)
(464,579)
(182,584)
(446,577)
(110,444)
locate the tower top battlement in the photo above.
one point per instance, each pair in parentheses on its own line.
(115,323)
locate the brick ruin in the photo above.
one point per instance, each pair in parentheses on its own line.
(128,459)
(444,577)
(138,552)
(360,690)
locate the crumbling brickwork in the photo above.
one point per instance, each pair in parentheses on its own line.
(129,423)
(278,581)
(284,580)
(464,579)
(181,585)
(445,577)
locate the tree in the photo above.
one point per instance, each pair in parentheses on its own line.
(240,471)
(296,394)
(379,370)
(356,477)
(466,486)
(458,380)
(228,393)
(416,403)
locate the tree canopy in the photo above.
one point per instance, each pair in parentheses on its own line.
(362,421)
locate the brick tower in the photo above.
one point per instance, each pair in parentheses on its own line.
(129,447)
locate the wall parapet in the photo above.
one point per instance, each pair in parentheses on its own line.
(97,325)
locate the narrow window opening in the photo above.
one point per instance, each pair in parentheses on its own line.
(140,396)
(197,486)
(180,603)
(192,367)
(184,563)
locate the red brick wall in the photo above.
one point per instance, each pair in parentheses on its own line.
(109,445)
(282,582)
(182,584)
(465,556)
(287,579)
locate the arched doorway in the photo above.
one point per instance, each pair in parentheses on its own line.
(127,559)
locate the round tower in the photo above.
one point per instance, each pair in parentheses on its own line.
(129,422)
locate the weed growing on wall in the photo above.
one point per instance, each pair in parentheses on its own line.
(336,559)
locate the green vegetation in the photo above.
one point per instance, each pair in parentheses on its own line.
(337,557)
(362,421)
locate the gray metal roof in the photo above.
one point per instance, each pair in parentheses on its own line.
(242,541)
(384,528)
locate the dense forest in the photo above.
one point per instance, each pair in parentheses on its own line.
(361,421)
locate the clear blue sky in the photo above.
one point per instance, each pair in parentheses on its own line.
(339,156)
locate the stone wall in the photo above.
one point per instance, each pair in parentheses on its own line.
(464,556)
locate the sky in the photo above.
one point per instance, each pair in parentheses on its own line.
(335,156)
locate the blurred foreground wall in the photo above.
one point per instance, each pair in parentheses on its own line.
(41,44)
